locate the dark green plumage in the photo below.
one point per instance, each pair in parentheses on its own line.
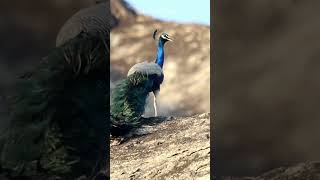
(128,101)
(59,115)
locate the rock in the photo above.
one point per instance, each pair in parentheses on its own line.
(305,171)
(174,149)
(266,84)
(122,11)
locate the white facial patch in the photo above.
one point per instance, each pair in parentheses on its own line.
(166,36)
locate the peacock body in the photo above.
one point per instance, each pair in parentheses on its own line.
(129,97)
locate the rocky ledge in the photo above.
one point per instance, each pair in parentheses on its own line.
(169,148)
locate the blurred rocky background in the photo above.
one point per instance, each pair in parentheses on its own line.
(266,84)
(186,88)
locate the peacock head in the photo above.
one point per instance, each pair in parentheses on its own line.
(164,37)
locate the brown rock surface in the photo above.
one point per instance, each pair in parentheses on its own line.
(266,84)
(173,148)
(306,171)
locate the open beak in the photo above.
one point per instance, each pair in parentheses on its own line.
(169,39)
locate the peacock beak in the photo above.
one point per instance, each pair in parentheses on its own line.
(166,37)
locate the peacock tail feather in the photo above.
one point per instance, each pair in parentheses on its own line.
(128,100)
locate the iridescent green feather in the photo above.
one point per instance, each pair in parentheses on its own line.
(128,101)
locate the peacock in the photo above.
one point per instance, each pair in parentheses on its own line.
(58,124)
(128,98)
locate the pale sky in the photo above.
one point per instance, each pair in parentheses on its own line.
(189,11)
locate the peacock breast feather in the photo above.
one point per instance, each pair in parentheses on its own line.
(129,97)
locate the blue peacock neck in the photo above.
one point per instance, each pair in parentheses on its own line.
(160,53)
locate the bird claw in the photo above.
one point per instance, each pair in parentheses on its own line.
(117,141)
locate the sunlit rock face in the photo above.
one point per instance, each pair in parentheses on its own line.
(164,152)
(186,88)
